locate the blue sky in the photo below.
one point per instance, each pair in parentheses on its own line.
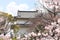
(12,6)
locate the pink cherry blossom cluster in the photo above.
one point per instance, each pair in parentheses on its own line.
(52,32)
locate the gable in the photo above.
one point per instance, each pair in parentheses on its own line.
(27,14)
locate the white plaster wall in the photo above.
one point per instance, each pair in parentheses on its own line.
(27,14)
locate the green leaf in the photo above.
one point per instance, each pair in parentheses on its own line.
(14,38)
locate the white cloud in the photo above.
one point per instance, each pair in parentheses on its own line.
(33,9)
(23,7)
(13,8)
